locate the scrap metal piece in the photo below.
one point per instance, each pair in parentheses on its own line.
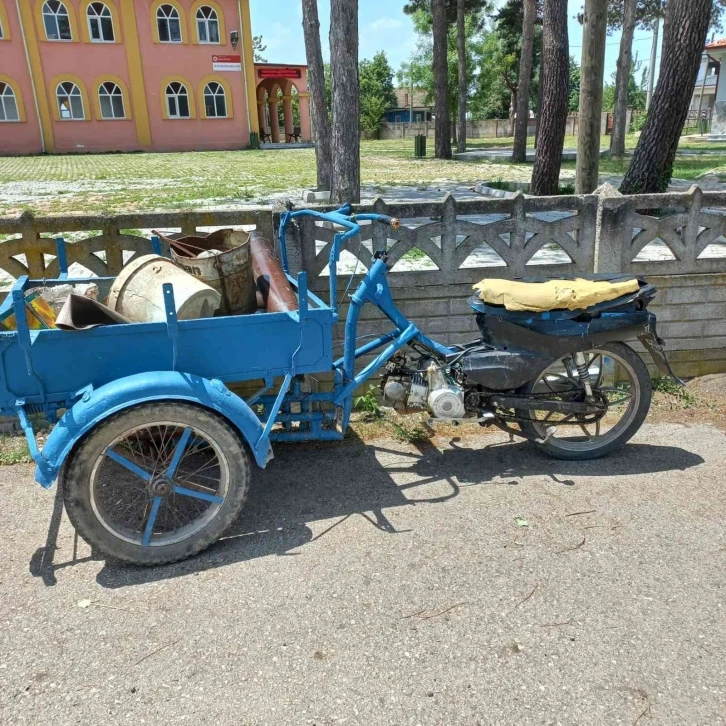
(277,292)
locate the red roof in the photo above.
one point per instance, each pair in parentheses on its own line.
(717,44)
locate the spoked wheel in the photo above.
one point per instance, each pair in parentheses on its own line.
(619,379)
(156,483)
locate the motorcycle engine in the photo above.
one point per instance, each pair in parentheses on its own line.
(407,386)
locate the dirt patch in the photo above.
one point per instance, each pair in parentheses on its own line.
(702,401)
(713,386)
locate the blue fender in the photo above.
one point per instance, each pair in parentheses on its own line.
(96,405)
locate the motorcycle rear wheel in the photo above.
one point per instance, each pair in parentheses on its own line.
(616,371)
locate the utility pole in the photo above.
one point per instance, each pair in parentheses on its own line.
(594,34)
(706,57)
(410,99)
(653,57)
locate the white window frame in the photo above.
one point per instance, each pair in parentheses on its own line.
(221,92)
(47,12)
(69,95)
(98,21)
(103,92)
(162,17)
(206,22)
(170,93)
(5,95)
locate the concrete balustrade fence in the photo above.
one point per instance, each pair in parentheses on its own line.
(677,240)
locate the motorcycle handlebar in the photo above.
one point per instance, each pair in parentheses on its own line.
(393,222)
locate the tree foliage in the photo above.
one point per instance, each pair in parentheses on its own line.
(574,102)
(648,11)
(423,7)
(418,70)
(376,79)
(258,49)
(499,73)
(637,90)
(377,91)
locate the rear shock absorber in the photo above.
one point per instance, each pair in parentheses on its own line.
(583,372)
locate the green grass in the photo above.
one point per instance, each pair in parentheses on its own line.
(671,388)
(196,180)
(14,450)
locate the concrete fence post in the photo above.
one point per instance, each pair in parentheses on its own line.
(264,223)
(693,227)
(518,237)
(33,255)
(114,253)
(448,238)
(611,233)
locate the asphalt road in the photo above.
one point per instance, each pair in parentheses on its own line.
(385,584)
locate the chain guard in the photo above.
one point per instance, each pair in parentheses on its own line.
(578,419)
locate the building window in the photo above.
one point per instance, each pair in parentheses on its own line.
(2,34)
(100,23)
(70,102)
(8,104)
(177,100)
(207,25)
(215,101)
(168,24)
(56,21)
(112,101)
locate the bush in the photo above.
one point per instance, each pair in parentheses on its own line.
(638,123)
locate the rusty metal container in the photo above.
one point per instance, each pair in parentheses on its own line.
(227,268)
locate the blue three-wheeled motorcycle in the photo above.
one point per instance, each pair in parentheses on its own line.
(153,450)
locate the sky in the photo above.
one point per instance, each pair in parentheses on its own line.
(383,26)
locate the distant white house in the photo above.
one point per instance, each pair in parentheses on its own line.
(706,83)
(709,94)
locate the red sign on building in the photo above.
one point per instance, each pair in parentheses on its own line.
(279,72)
(226,63)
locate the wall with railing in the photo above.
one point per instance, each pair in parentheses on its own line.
(442,248)
(491,128)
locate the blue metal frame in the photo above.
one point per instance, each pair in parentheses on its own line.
(170,361)
(373,289)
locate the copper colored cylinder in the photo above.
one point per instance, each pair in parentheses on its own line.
(272,283)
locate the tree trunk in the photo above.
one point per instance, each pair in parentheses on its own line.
(442,131)
(592,73)
(316,84)
(512,110)
(521,124)
(622,82)
(683,41)
(555,98)
(346,104)
(463,81)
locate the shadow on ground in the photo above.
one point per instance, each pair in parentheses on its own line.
(312,482)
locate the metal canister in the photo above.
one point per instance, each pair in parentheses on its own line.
(227,268)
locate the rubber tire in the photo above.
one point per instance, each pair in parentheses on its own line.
(646,394)
(75,479)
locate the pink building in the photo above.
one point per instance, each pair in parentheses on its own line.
(124,75)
